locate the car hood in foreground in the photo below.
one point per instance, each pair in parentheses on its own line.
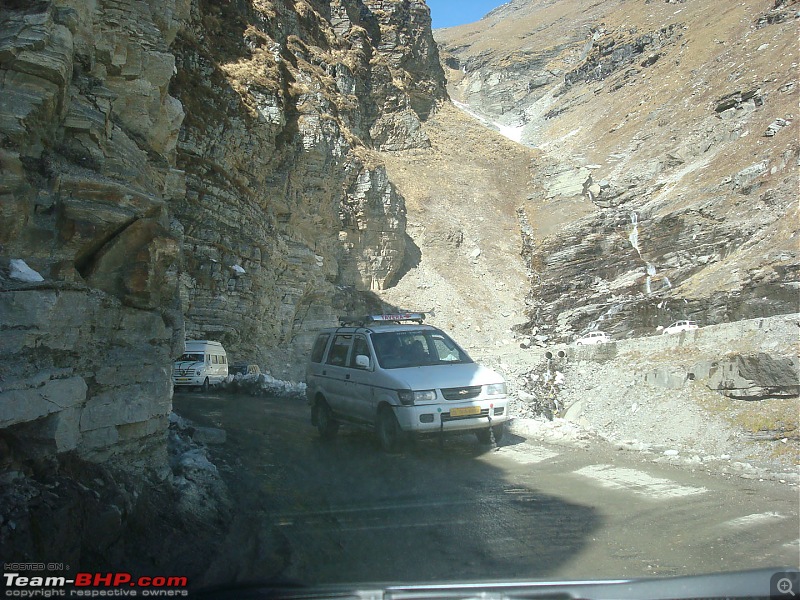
(760,583)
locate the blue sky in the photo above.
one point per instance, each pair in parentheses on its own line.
(449,13)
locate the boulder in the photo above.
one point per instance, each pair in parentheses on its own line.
(756,376)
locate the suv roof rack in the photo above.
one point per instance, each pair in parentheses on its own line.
(404,317)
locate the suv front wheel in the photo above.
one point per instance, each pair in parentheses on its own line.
(326,425)
(389,433)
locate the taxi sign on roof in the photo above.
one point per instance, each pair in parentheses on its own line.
(408,316)
(416,317)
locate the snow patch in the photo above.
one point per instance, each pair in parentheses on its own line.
(22,272)
(512,133)
(196,460)
(269,385)
(656,488)
(754,520)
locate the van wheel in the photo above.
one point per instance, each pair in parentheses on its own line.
(327,426)
(389,433)
(204,387)
(484,437)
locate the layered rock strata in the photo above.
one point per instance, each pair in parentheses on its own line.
(285,207)
(176,159)
(89,133)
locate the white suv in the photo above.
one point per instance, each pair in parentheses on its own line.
(593,337)
(679,326)
(393,374)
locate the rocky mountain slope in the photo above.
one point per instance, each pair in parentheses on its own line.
(286,217)
(644,191)
(666,182)
(723,399)
(462,218)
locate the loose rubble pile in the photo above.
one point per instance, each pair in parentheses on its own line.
(674,398)
(101,518)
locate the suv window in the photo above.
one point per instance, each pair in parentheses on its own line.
(319,347)
(338,352)
(360,347)
(401,349)
(446,349)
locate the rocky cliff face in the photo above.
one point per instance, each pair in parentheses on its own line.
(666,182)
(189,167)
(89,133)
(285,209)
(89,318)
(172,169)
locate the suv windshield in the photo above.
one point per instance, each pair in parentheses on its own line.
(401,349)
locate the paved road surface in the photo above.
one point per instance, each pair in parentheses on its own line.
(343,511)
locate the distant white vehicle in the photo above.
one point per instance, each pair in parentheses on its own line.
(593,337)
(202,364)
(679,326)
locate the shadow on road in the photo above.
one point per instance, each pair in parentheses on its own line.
(344,512)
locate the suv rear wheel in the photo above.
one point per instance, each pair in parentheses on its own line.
(326,425)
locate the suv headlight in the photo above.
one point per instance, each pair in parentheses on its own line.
(496,389)
(409,397)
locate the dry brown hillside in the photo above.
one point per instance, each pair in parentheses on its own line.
(667,183)
(461,196)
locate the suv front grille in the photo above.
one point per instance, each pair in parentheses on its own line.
(461,393)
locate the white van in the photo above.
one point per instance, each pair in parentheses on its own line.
(392,374)
(203,363)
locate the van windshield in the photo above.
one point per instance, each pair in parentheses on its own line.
(191,357)
(402,349)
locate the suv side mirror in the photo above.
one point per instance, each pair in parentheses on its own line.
(362,361)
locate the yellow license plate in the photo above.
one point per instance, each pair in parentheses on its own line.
(463,412)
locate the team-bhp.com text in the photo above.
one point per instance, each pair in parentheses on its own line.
(93,585)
